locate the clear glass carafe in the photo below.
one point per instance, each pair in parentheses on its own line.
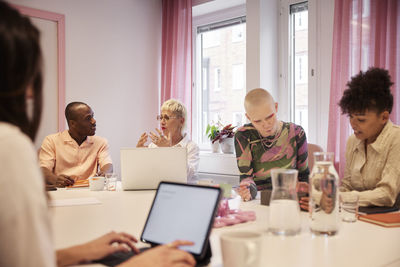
(324,202)
(284,210)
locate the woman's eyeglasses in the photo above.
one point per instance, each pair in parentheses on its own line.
(164,117)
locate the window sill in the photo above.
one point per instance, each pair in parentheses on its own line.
(208,153)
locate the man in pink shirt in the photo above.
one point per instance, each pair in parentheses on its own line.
(75,154)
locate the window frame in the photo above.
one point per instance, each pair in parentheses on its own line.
(286,112)
(214,17)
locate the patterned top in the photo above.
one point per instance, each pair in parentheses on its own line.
(257,155)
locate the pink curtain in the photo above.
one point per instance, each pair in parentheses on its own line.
(176,58)
(366,33)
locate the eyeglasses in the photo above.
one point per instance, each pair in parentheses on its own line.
(164,117)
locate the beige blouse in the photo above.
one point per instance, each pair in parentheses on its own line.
(375,177)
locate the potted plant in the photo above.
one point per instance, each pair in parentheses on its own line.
(225,137)
(212,132)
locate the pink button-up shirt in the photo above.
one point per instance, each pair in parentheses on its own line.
(61,154)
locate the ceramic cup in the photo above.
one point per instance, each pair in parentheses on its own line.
(96,183)
(241,248)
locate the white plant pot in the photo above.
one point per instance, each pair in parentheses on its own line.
(215,147)
(228,145)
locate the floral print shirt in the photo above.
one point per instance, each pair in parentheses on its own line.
(257,156)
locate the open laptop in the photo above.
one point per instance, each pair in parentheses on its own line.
(144,168)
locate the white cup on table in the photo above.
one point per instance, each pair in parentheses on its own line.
(96,183)
(241,248)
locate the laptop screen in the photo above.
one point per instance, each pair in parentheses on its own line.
(184,212)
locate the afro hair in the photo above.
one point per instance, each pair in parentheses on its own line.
(368,90)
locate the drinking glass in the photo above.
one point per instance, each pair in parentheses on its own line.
(348,206)
(111,181)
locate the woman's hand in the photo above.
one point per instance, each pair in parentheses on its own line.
(302,187)
(142,140)
(160,140)
(304,203)
(97,249)
(168,255)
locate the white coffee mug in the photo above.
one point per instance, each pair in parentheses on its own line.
(241,248)
(96,183)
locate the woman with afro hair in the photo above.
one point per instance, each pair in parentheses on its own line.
(373,151)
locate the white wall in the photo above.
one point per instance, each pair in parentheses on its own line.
(262,45)
(113,54)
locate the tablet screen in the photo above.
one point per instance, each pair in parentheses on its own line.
(184,212)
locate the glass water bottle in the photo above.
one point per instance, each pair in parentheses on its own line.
(324,201)
(284,210)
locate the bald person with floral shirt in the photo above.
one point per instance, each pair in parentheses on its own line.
(267,143)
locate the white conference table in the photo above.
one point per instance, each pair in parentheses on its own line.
(356,244)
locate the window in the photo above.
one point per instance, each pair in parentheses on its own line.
(237,33)
(237,76)
(238,119)
(301,21)
(298,54)
(221,48)
(365,8)
(211,39)
(300,65)
(217,79)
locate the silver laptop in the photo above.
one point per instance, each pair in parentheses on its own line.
(145,168)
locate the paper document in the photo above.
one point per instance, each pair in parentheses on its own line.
(74,202)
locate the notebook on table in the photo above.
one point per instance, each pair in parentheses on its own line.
(383,219)
(145,168)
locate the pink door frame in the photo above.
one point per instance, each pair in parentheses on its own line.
(60,20)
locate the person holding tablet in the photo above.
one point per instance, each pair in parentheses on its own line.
(172,124)
(25,226)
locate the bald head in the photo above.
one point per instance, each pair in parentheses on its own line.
(256,98)
(261,111)
(71,110)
